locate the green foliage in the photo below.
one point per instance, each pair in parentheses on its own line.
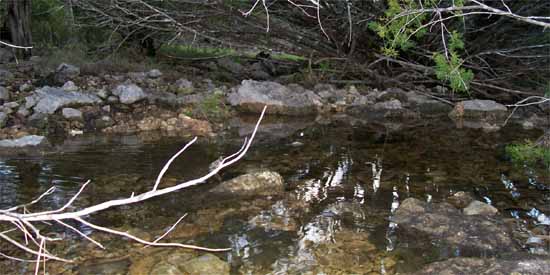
(450,69)
(528,153)
(213,106)
(397,29)
(399,26)
(50,26)
(190,52)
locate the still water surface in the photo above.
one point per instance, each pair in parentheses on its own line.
(342,184)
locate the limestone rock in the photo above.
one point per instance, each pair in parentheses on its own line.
(129,93)
(252,96)
(48,99)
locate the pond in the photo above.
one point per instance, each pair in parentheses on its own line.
(332,218)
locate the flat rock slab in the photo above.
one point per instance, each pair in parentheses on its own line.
(47,100)
(444,224)
(478,109)
(456,266)
(293,100)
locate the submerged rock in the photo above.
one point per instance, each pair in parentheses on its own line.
(460,199)
(257,183)
(444,224)
(47,100)
(252,96)
(129,93)
(480,208)
(461,266)
(25,141)
(206,264)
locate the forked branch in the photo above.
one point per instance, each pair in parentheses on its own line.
(34,243)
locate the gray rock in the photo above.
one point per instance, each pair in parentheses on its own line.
(257,72)
(106,108)
(4,94)
(129,93)
(138,77)
(69,86)
(477,109)
(183,83)
(38,120)
(23,112)
(393,104)
(257,183)
(102,93)
(206,264)
(66,72)
(103,122)
(112,99)
(480,208)
(252,96)
(11,105)
(3,119)
(48,100)
(421,223)
(71,114)
(25,87)
(6,55)
(31,140)
(230,65)
(154,73)
(5,76)
(525,265)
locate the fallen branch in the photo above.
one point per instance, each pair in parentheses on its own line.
(34,242)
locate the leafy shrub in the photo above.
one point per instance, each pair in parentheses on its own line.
(529,153)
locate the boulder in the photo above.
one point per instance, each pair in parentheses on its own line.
(47,100)
(71,114)
(479,109)
(256,183)
(480,208)
(66,72)
(25,141)
(251,96)
(458,266)
(445,225)
(129,93)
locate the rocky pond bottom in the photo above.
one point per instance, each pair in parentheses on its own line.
(323,198)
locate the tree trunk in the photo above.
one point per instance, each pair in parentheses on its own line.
(19,24)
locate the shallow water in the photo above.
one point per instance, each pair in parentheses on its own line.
(332,193)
